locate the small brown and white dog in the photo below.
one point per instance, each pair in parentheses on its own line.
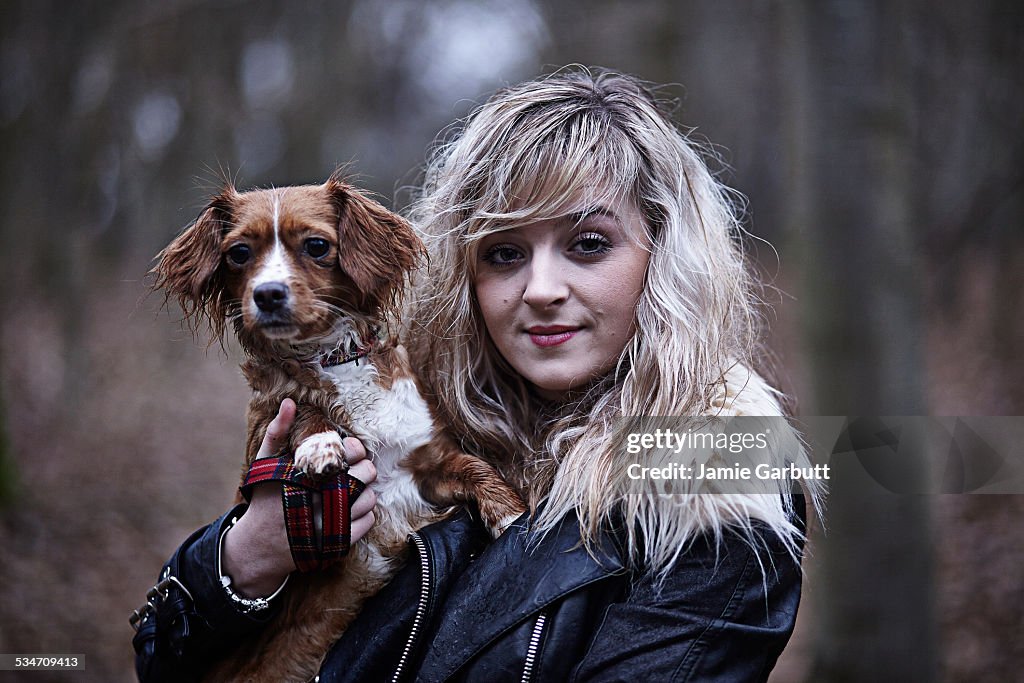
(306,276)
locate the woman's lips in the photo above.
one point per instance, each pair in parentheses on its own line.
(551,335)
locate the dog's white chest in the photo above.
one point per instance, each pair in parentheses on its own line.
(395,418)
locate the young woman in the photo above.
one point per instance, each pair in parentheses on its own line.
(585,271)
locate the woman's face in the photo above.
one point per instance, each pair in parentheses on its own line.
(559,296)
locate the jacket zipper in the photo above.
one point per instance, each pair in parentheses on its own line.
(533,647)
(421,607)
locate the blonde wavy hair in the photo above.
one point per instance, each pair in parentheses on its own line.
(535,151)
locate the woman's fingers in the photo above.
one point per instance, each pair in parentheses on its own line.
(365,503)
(277,431)
(354,451)
(276,437)
(363,516)
(361,525)
(362,469)
(256,553)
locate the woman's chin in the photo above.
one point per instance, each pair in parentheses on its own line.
(558,388)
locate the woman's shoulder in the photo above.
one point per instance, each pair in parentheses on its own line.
(714,477)
(743,392)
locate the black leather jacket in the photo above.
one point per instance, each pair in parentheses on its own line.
(467,609)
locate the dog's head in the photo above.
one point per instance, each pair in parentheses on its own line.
(288,263)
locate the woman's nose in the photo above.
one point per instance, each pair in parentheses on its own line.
(546,283)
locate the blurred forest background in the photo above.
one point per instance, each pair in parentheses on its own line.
(879,143)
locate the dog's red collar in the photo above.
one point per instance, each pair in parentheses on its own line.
(339,357)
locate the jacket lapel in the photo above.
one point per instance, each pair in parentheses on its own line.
(513,579)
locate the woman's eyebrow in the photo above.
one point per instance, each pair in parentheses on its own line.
(580,216)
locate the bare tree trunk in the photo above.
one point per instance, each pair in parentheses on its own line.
(850,139)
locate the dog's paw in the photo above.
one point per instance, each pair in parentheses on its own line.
(498,518)
(321,453)
(499,526)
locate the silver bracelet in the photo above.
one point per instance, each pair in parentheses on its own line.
(243,605)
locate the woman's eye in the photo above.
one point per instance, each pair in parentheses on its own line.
(239,254)
(502,255)
(591,244)
(317,247)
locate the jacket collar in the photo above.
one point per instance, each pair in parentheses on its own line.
(500,590)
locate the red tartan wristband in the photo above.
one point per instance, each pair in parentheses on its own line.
(338,492)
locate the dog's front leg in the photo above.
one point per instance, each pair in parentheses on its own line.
(447,475)
(316,443)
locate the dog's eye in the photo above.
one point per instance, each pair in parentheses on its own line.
(239,254)
(317,247)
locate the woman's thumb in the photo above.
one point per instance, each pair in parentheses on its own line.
(277,430)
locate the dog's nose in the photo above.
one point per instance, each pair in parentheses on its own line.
(270,296)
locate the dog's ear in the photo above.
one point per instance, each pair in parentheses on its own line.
(189,268)
(376,248)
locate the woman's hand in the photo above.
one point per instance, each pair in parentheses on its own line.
(256,554)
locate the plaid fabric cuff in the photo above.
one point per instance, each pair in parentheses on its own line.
(338,493)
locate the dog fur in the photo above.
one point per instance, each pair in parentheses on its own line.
(301,273)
